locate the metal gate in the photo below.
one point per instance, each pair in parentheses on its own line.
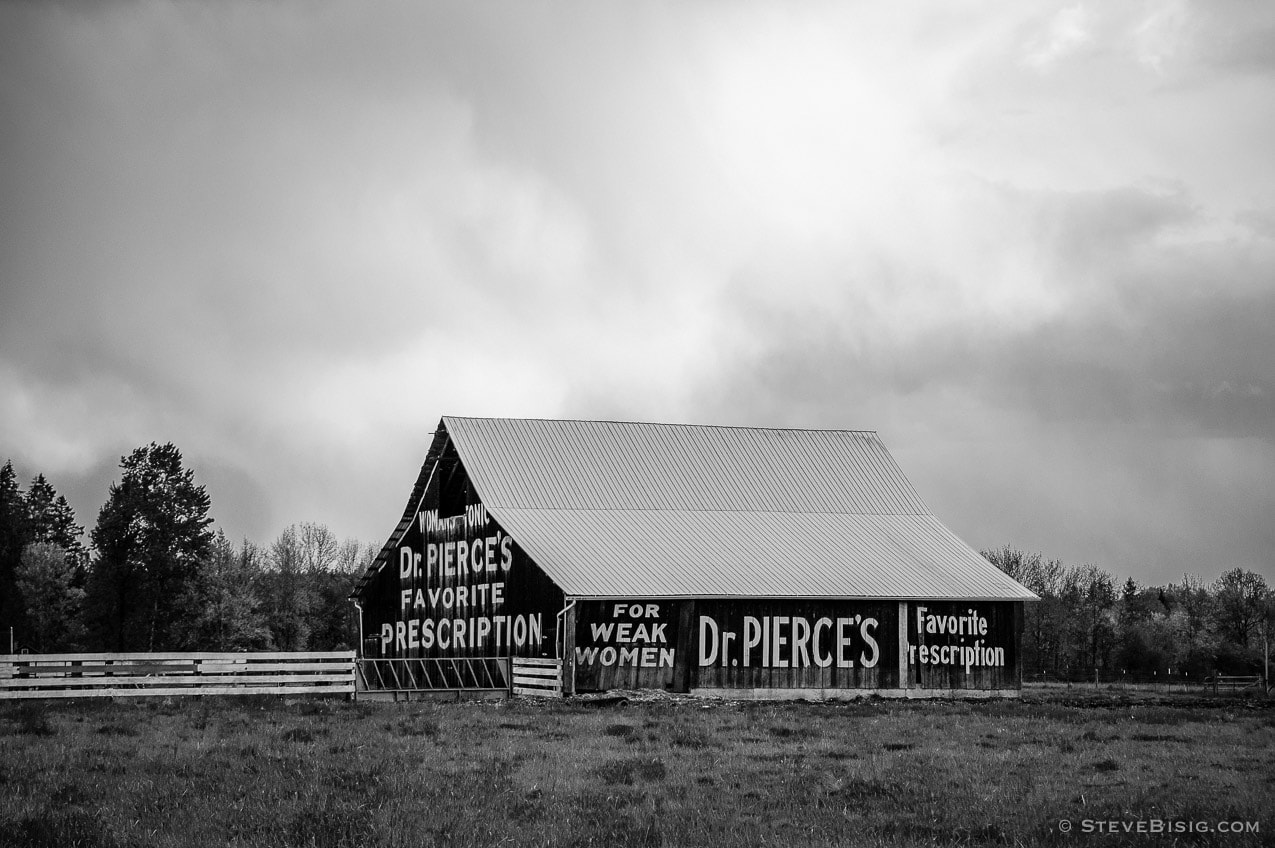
(438,674)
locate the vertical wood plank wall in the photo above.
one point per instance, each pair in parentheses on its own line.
(495,561)
(922,646)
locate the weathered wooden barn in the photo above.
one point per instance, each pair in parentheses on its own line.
(742,561)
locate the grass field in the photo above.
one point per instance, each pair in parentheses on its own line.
(243,771)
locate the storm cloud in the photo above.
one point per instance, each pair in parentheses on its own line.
(1030,244)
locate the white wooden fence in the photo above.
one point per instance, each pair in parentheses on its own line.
(124,675)
(537,677)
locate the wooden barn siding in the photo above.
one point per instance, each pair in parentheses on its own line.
(1004,622)
(729,615)
(589,642)
(687,647)
(527,590)
(893,635)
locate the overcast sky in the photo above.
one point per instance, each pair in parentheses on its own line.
(1032,244)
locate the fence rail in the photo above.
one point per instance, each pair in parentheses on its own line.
(434,674)
(537,677)
(1216,684)
(1235,683)
(194,673)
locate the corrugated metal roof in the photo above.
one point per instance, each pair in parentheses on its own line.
(664,553)
(611,465)
(661,510)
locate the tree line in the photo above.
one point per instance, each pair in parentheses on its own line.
(156,576)
(1086,621)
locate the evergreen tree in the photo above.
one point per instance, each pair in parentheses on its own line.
(13,538)
(1137,604)
(48,579)
(1096,615)
(151,539)
(51,519)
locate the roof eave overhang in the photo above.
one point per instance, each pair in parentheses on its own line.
(772,597)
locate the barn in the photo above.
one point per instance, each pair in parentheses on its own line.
(739,561)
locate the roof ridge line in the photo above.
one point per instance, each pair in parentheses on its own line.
(661,424)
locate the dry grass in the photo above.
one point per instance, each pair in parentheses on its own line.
(329,773)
